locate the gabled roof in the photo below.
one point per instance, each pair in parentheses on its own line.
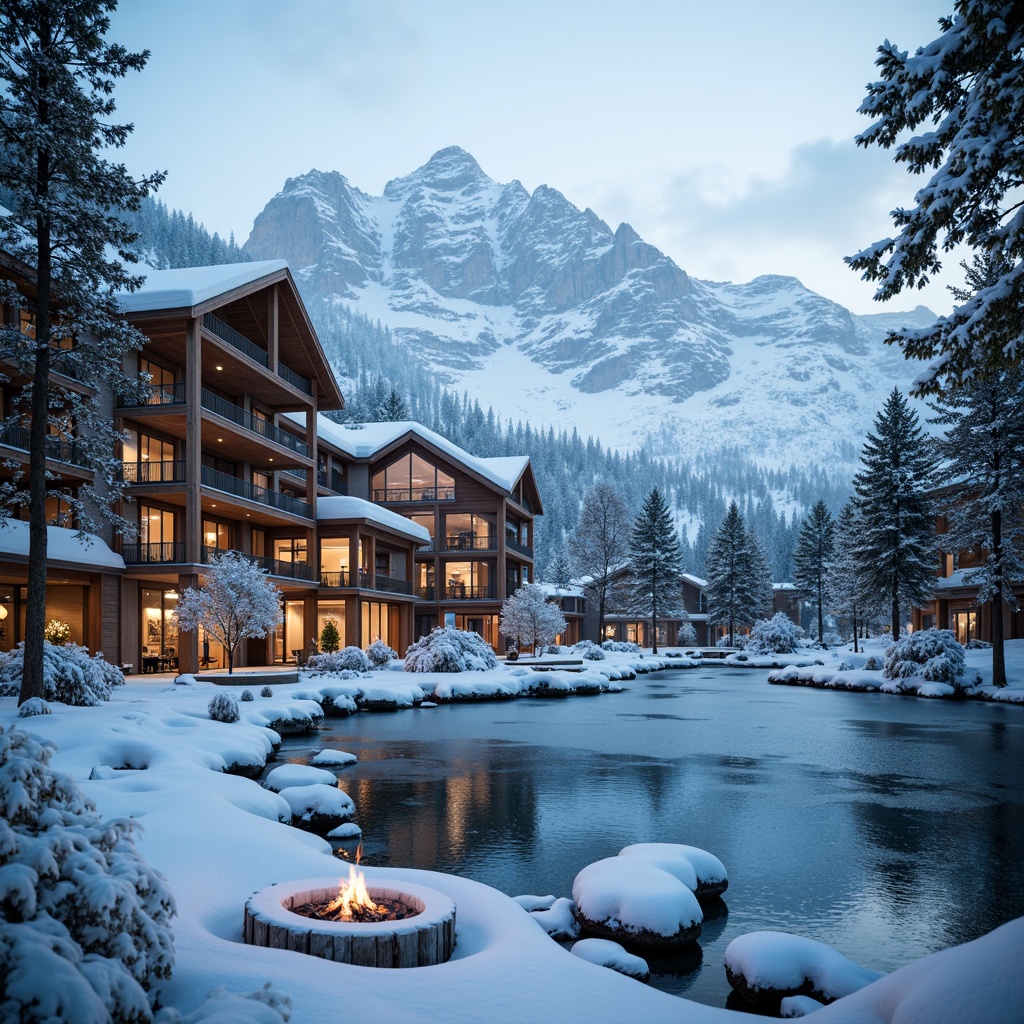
(188,287)
(368,440)
(345,507)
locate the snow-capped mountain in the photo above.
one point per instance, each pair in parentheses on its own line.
(545,313)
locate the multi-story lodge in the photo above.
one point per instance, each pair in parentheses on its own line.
(386,529)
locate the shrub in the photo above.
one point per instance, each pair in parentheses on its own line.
(622,646)
(450,650)
(245,695)
(872,664)
(80,904)
(70,676)
(555,649)
(594,654)
(380,654)
(57,632)
(832,639)
(844,666)
(977,645)
(739,641)
(777,635)
(933,654)
(348,659)
(224,708)
(330,638)
(266,692)
(34,706)
(687,635)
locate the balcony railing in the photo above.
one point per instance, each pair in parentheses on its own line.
(426,593)
(294,379)
(341,578)
(57,450)
(153,472)
(522,549)
(230,411)
(333,481)
(142,554)
(159,394)
(253,492)
(275,566)
(414,494)
(391,585)
(469,542)
(462,592)
(217,326)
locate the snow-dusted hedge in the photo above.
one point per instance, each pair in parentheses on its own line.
(224,708)
(266,692)
(622,646)
(589,650)
(34,706)
(932,654)
(873,664)
(380,654)
(85,929)
(246,695)
(777,635)
(70,676)
(450,650)
(348,659)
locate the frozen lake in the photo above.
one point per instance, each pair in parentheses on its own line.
(886,826)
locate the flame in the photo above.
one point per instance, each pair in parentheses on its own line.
(352,894)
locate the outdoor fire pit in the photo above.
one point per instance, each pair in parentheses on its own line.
(370,924)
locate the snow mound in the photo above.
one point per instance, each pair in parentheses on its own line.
(333,757)
(559,920)
(606,953)
(632,899)
(765,966)
(289,776)
(318,806)
(701,872)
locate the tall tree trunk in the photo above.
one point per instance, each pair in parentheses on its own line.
(998,654)
(855,651)
(895,609)
(821,630)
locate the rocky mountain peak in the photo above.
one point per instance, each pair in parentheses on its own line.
(448,170)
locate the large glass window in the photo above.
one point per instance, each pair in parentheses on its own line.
(469,531)
(335,561)
(412,478)
(331,611)
(380,621)
(426,520)
(290,549)
(468,580)
(159,629)
(425,581)
(156,534)
(965,626)
(485,626)
(147,459)
(161,384)
(289,641)
(216,536)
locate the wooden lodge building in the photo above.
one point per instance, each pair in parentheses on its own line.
(386,529)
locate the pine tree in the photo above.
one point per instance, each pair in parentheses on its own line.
(984,505)
(560,570)
(330,638)
(739,586)
(600,544)
(655,561)
(812,558)
(897,543)
(58,74)
(967,87)
(846,591)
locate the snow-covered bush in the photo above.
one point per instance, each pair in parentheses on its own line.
(687,635)
(264,1006)
(348,659)
(832,639)
(738,641)
(977,645)
(873,664)
(933,654)
(450,650)
(70,676)
(85,929)
(266,692)
(57,632)
(844,666)
(777,635)
(622,646)
(380,654)
(34,706)
(594,654)
(245,695)
(224,708)
(554,649)
(530,619)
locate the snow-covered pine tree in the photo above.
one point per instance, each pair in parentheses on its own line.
(530,619)
(236,602)
(738,587)
(58,73)
(559,572)
(813,556)
(896,547)
(846,589)
(967,87)
(984,502)
(655,562)
(600,543)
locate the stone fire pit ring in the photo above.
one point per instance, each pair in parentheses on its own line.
(421,940)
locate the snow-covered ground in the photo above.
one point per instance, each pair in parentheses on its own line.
(154,754)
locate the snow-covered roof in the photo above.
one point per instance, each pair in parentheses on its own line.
(550,590)
(345,507)
(187,287)
(367,439)
(954,579)
(695,580)
(62,545)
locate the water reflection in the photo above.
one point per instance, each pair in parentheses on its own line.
(887,827)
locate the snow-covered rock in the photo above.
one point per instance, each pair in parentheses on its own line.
(558,920)
(287,776)
(606,953)
(319,807)
(333,757)
(701,872)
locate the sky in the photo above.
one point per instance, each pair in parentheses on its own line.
(723,133)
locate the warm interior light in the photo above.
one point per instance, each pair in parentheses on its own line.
(220,367)
(3,613)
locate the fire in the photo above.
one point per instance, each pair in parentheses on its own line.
(353,898)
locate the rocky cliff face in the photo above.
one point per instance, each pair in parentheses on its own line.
(543,311)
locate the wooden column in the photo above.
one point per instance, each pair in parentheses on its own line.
(272,339)
(193,444)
